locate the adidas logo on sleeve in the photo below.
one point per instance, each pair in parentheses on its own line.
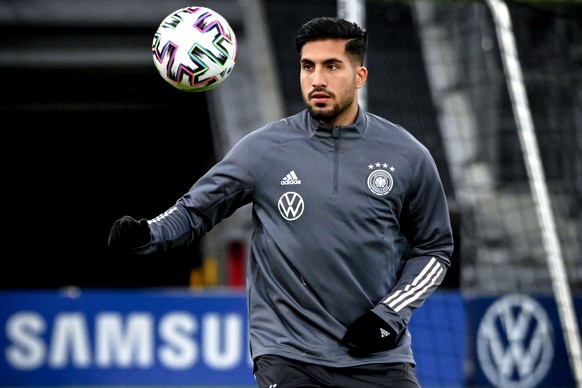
(291,179)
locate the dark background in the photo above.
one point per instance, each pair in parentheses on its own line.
(83,148)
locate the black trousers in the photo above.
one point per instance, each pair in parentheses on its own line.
(280,372)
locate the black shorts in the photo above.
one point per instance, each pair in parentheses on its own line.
(280,372)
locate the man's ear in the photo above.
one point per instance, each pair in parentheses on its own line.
(361,76)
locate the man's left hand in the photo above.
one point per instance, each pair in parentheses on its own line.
(370,334)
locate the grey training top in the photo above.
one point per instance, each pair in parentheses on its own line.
(345,219)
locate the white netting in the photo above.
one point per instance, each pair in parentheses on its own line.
(502,239)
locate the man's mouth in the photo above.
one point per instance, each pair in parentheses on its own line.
(319,97)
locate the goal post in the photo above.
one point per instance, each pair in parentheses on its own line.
(355,10)
(537,180)
(506,98)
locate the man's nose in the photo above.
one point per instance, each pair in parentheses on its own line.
(318,77)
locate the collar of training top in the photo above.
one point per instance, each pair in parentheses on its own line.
(342,131)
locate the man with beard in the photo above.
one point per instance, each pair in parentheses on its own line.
(351,227)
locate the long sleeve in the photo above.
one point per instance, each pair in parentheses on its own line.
(227,186)
(426,222)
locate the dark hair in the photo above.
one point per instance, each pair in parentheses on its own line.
(334,28)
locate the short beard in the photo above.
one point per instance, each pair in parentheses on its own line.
(323,115)
(328,116)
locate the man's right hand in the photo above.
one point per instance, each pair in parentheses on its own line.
(128,233)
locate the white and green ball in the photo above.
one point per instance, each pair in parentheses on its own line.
(194,49)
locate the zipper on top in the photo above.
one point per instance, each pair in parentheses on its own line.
(335,133)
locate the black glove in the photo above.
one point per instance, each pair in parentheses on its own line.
(128,233)
(369,333)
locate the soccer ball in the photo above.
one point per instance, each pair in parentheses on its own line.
(194,49)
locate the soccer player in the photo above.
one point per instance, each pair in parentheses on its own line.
(351,227)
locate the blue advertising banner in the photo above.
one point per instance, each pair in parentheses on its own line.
(102,338)
(179,338)
(439,338)
(173,338)
(516,340)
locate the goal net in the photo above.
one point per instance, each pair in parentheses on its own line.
(478,124)
(506,81)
